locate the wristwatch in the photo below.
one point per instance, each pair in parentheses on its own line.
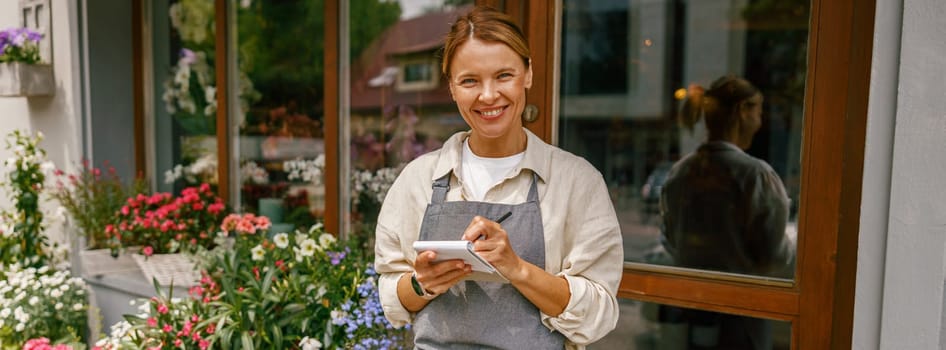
(420,290)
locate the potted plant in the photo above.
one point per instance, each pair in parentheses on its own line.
(163,226)
(91,198)
(21,72)
(300,290)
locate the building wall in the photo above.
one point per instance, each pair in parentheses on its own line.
(900,278)
(56,116)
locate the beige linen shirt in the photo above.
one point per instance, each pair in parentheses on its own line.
(582,236)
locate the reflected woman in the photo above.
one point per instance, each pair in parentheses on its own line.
(560,249)
(724,210)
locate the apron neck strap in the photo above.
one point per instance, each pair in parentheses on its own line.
(441,186)
(534,189)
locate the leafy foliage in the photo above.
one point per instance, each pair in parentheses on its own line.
(92,197)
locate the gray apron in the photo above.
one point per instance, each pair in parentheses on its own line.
(477,314)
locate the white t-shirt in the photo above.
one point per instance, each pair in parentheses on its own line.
(479,174)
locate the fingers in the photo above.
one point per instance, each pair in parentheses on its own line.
(439,277)
(481,228)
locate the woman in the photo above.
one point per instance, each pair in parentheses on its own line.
(725,210)
(560,248)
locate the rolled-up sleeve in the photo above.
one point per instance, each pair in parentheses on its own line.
(390,265)
(398,226)
(592,265)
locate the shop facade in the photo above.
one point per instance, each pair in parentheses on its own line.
(305,110)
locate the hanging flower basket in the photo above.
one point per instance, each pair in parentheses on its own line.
(22,79)
(177,268)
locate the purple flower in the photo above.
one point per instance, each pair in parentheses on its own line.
(188,57)
(336,257)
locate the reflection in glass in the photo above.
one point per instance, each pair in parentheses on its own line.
(185,120)
(280,110)
(400,105)
(625,71)
(649,326)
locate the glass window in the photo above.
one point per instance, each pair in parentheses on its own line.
(400,105)
(185,89)
(646,326)
(637,97)
(279,110)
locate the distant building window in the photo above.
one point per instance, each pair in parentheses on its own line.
(417,75)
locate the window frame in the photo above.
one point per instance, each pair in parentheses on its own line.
(819,303)
(840,43)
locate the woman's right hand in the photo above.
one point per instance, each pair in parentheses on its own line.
(438,277)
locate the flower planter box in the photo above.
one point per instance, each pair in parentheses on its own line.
(98,262)
(178,269)
(21,79)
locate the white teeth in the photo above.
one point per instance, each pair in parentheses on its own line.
(492,113)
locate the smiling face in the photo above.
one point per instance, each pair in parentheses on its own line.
(488,81)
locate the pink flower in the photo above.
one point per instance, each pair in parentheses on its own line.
(215,208)
(36,344)
(167,328)
(152,322)
(162,309)
(205,188)
(203,344)
(147,250)
(263,223)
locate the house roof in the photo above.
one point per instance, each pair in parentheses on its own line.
(421,35)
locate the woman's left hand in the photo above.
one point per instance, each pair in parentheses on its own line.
(492,243)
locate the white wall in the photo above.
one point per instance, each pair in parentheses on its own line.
(900,277)
(56,116)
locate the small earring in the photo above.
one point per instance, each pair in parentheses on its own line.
(530,113)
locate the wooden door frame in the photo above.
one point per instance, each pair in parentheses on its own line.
(820,304)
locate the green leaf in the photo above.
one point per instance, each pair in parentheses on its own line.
(277,336)
(247,341)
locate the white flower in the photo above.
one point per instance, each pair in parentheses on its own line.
(281,240)
(77,306)
(59,306)
(55,293)
(315,228)
(308,247)
(5,313)
(20,327)
(33,300)
(337,316)
(47,167)
(326,239)
(310,344)
(258,253)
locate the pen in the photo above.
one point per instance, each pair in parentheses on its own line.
(498,221)
(502,218)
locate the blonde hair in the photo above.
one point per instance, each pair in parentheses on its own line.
(718,104)
(486,24)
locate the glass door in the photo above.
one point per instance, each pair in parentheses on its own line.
(700,116)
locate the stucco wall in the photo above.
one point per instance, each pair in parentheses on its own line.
(56,116)
(899,296)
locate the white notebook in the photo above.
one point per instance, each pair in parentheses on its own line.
(463,250)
